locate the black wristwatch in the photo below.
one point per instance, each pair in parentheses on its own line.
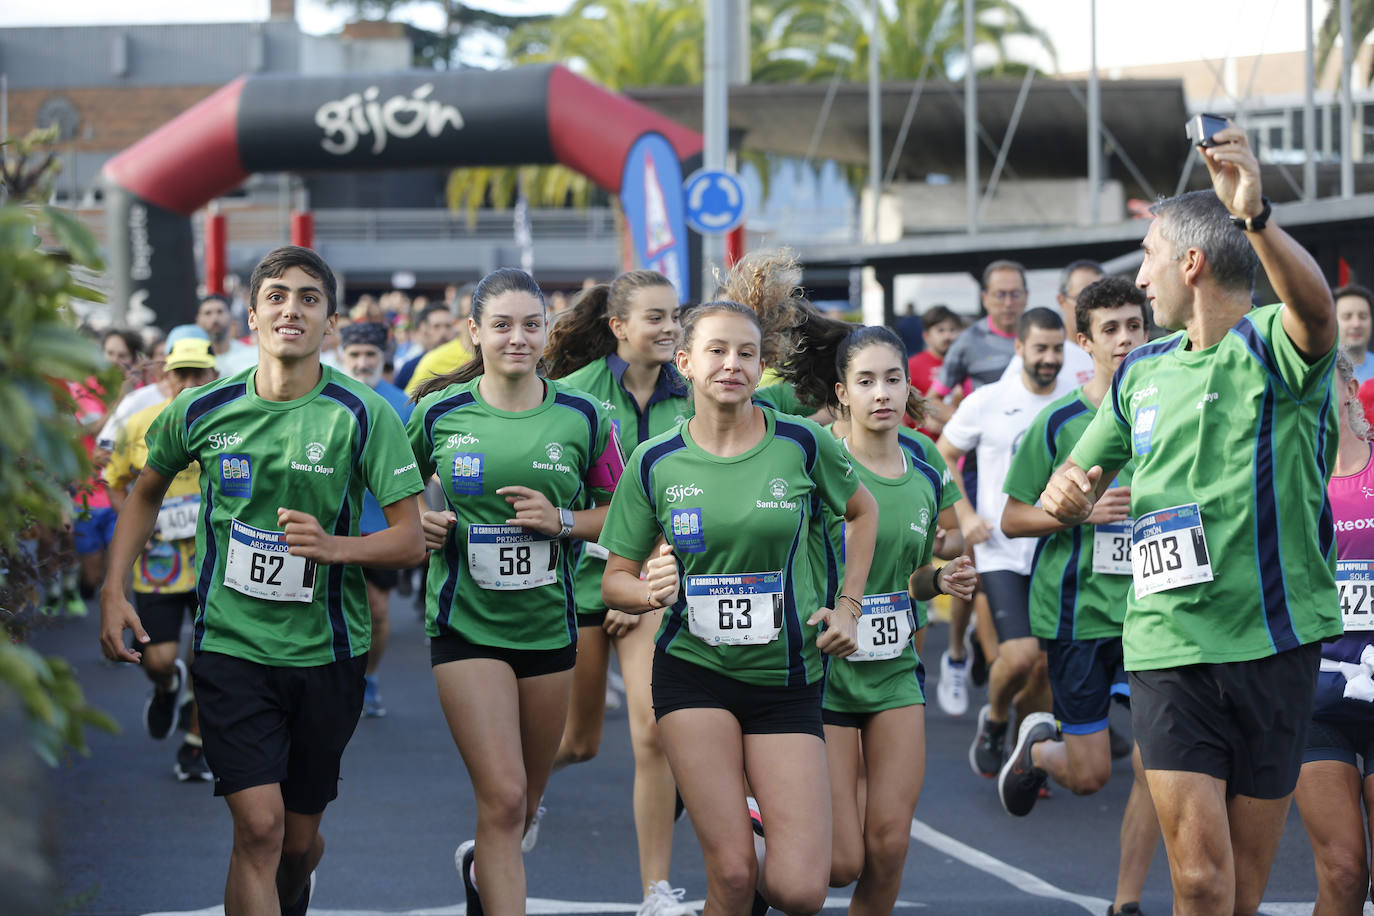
(1254,223)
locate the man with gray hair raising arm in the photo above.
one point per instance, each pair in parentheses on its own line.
(1231,594)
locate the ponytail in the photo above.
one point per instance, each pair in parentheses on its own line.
(582,335)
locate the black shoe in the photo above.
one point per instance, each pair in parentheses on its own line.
(1019,783)
(303,901)
(1127,909)
(989,746)
(1121,746)
(462,857)
(161,713)
(191,765)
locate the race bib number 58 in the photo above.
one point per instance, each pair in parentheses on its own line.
(507,558)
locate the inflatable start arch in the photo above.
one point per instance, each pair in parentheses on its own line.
(527,115)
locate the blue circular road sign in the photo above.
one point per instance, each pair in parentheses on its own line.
(715,201)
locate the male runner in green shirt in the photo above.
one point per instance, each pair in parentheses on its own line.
(286,450)
(1231,429)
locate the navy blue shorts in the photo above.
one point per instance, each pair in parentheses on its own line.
(94,534)
(1343,741)
(1086,675)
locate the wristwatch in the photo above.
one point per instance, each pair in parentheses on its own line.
(565,518)
(1254,223)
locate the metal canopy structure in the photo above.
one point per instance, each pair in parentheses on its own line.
(1332,229)
(1142,118)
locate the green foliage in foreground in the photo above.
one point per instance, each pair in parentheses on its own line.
(41,453)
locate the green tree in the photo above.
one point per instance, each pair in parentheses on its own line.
(41,453)
(632,43)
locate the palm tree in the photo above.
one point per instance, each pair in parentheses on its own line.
(632,43)
(907,27)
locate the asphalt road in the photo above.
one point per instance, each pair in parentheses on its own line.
(134,840)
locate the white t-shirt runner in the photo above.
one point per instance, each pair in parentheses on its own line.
(992,420)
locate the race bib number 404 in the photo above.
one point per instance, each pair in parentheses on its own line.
(1169,550)
(1355,585)
(884,628)
(260,566)
(507,558)
(735,610)
(177,519)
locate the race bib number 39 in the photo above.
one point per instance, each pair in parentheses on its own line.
(259,566)
(176,520)
(506,558)
(1169,550)
(1355,585)
(735,610)
(1112,548)
(884,628)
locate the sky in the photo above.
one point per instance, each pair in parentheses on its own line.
(1129,32)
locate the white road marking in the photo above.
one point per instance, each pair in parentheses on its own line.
(1021,880)
(535,906)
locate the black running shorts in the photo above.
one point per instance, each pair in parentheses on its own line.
(265,725)
(760,710)
(451,647)
(1241,722)
(162,613)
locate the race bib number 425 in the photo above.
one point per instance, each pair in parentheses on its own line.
(260,566)
(735,610)
(1355,585)
(1169,550)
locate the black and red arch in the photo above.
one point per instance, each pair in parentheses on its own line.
(527,115)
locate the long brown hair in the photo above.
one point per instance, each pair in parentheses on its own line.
(499,281)
(583,335)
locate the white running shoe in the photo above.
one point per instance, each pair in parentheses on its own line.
(665,900)
(531,837)
(952,690)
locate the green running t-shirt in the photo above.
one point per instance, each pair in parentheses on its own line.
(1068,600)
(908,510)
(1246,430)
(499,585)
(741,530)
(318,454)
(669,405)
